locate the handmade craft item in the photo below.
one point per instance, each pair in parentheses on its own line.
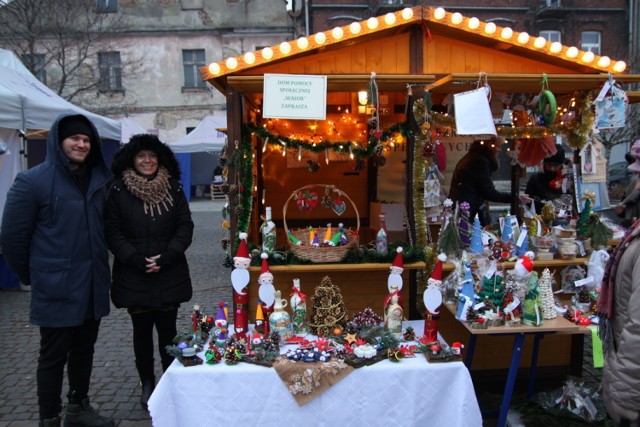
(239,280)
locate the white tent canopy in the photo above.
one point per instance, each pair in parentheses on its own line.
(29,104)
(204,138)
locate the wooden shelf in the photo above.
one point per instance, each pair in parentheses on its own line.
(328,268)
(536,263)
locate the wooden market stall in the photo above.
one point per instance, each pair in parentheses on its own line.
(417,54)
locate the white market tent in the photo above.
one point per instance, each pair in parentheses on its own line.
(26,104)
(206,137)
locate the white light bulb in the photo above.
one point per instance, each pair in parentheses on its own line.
(355,28)
(214,68)
(407,13)
(372,23)
(302,43)
(249,58)
(285,47)
(390,18)
(506,33)
(473,23)
(337,33)
(232,63)
(439,13)
(456,18)
(267,53)
(320,38)
(490,28)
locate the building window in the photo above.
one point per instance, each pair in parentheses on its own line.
(107,6)
(192,60)
(551,3)
(551,36)
(110,71)
(590,42)
(35,64)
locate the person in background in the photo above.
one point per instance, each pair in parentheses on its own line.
(148,228)
(619,329)
(629,208)
(471,181)
(53,240)
(546,185)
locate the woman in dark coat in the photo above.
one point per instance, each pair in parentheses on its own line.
(471,181)
(148,228)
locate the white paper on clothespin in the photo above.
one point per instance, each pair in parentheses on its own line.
(512,305)
(582,282)
(491,270)
(581,247)
(605,88)
(539,228)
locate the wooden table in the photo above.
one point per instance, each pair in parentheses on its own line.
(361,285)
(559,325)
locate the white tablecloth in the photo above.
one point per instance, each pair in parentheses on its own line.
(412,392)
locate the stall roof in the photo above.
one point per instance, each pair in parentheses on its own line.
(579,70)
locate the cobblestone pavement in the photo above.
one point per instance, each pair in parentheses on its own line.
(114,389)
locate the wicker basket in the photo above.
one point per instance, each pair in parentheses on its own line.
(321,254)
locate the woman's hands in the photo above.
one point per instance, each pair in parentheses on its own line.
(151,266)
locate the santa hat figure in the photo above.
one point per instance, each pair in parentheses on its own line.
(243,251)
(398,261)
(436,275)
(264,271)
(524,265)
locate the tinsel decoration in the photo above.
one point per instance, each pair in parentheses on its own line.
(327,310)
(578,130)
(372,95)
(243,162)
(464,225)
(366,319)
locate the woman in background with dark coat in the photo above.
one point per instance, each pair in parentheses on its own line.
(148,228)
(471,181)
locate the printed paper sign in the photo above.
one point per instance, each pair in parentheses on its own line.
(295,96)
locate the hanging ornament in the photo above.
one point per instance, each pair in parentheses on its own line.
(313,166)
(327,201)
(428,150)
(227,262)
(339,206)
(378,150)
(359,165)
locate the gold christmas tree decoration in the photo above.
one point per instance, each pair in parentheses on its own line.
(327,310)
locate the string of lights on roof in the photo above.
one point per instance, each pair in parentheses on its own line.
(402,17)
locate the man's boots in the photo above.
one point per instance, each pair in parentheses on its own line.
(83,415)
(50,422)
(147,388)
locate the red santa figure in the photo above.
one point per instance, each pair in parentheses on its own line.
(240,281)
(394,282)
(432,298)
(266,291)
(524,266)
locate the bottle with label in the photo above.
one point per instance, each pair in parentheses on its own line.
(268,229)
(280,320)
(381,237)
(298,306)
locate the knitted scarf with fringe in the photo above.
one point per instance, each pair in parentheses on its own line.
(607,290)
(154,192)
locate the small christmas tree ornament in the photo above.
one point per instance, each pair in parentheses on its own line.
(476,246)
(507,229)
(327,310)
(532,313)
(299,307)
(239,280)
(582,227)
(547,302)
(522,245)
(466,297)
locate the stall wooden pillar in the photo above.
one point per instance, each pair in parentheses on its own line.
(234,134)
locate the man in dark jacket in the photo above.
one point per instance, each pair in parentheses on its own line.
(471,181)
(53,239)
(546,185)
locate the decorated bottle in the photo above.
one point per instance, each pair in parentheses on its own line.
(268,229)
(298,304)
(280,320)
(381,237)
(393,314)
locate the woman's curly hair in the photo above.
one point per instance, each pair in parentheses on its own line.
(124,158)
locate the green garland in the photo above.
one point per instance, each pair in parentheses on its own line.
(578,130)
(346,147)
(242,159)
